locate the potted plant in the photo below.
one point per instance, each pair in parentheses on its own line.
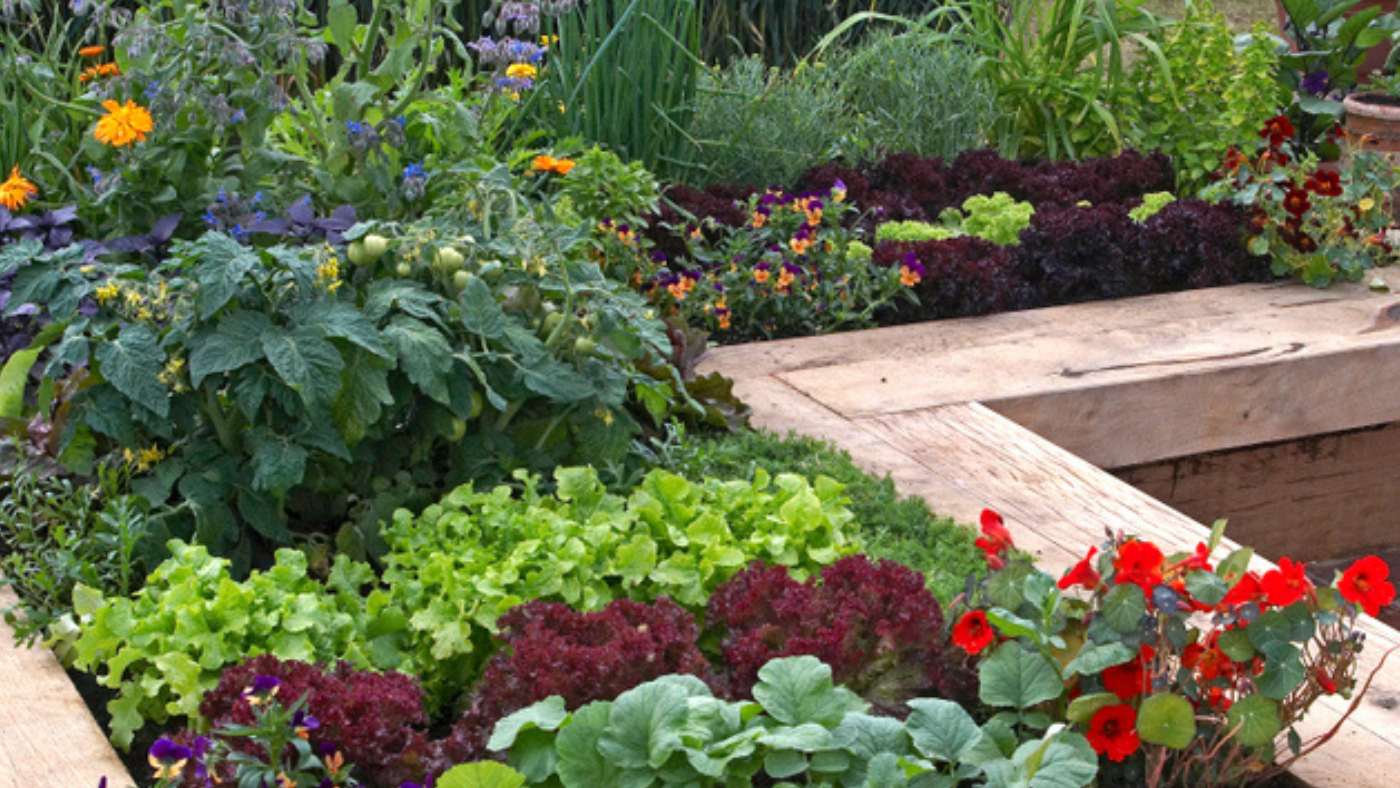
(1337,44)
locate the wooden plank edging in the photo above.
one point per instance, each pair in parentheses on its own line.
(48,739)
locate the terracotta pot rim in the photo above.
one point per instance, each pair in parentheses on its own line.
(1357,104)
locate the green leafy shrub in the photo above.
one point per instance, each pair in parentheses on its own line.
(913,232)
(1218,96)
(58,533)
(800,726)
(755,125)
(464,562)
(287,389)
(890,526)
(916,93)
(165,646)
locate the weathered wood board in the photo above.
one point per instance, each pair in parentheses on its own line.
(1312,499)
(47,737)
(936,406)
(1124,382)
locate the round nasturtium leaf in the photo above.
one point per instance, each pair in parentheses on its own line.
(1257,719)
(1168,720)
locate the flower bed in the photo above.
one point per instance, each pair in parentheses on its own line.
(339,447)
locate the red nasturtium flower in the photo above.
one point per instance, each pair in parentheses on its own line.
(1324,681)
(973,633)
(1286,584)
(995,539)
(1244,591)
(1366,582)
(1082,574)
(1139,563)
(1296,201)
(1132,678)
(1197,560)
(1278,130)
(1113,732)
(1324,183)
(1233,160)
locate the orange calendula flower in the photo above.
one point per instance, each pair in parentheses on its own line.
(521,71)
(100,70)
(123,124)
(544,163)
(16,190)
(92,50)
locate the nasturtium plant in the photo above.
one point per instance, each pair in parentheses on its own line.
(800,727)
(1179,670)
(463,562)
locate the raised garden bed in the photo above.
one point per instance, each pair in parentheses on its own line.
(1021,411)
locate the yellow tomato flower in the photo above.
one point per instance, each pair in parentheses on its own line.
(123,124)
(107,292)
(16,190)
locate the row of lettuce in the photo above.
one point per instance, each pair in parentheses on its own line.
(719,633)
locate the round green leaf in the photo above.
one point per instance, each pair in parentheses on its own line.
(1235,643)
(486,774)
(1168,720)
(1256,719)
(1283,670)
(1016,677)
(1124,607)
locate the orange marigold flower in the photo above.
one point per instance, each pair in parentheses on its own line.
(123,124)
(92,50)
(563,166)
(543,163)
(16,190)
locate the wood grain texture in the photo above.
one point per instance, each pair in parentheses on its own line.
(1312,499)
(48,739)
(1215,369)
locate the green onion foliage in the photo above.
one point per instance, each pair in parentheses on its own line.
(783,32)
(623,74)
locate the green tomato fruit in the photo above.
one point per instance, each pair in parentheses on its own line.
(460,279)
(478,403)
(584,346)
(552,321)
(459,428)
(449,259)
(358,254)
(375,245)
(404,269)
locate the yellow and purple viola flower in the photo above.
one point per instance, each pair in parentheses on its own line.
(911,271)
(168,758)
